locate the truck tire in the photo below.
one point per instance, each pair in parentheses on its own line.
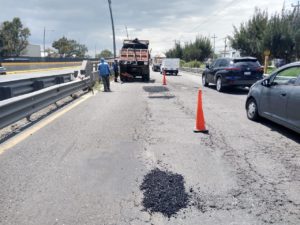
(146,77)
(122,78)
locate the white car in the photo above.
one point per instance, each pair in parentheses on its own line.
(2,70)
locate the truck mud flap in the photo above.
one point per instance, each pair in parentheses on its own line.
(127,75)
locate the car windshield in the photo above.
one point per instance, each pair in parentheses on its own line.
(288,76)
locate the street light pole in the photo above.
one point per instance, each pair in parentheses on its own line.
(44,40)
(113,28)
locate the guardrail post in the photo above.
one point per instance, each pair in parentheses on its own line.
(5,93)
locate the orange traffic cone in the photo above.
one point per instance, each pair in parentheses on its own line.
(200,123)
(164,78)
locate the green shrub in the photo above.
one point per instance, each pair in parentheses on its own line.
(194,64)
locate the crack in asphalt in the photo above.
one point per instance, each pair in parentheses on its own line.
(255,194)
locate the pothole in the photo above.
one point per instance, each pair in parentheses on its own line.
(164,192)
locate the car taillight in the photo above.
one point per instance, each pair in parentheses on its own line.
(232,69)
(260,69)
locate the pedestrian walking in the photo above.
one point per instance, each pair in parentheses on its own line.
(104,73)
(116,70)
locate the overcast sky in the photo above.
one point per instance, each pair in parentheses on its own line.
(160,21)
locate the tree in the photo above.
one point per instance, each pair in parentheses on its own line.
(280,34)
(198,50)
(69,48)
(249,37)
(176,52)
(278,37)
(104,54)
(13,37)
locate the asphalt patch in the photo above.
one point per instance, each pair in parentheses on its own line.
(164,192)
(155,89)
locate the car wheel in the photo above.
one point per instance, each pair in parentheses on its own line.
(204,81)
(252,110)
(219,84)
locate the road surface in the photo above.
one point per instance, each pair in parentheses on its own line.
(87,166)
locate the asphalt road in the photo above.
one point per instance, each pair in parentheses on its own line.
(86,167)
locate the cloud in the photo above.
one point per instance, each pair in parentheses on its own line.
(161,22)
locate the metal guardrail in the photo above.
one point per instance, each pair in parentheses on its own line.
(13,88)
(22,106)
(15,109)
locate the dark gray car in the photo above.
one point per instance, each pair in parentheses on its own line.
(277,97)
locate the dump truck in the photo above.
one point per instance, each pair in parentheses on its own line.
(134,60)
(157,61)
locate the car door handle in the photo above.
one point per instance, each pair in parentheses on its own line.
(283,94)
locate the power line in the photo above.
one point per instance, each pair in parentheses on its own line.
(214,16)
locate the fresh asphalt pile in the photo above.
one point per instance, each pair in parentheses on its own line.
(164,192)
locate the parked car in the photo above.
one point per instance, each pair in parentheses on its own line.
(277,97)
(279,62)
(2,70)
(226,72)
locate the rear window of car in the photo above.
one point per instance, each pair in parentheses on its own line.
(247,64)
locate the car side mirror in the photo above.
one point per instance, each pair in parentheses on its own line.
(266,83)
(207,66)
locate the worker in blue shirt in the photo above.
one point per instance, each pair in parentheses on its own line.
(104,73)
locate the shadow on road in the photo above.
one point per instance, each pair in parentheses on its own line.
(231,90)
(280,129)
(162,97)
(139,80)
(155,89)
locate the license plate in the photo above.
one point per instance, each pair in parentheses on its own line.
(247,73)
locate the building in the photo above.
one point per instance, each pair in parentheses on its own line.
(32,51)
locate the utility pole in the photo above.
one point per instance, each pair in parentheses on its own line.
(214,37)
(127,32)
(297,6)
(44,41)
(113,28)
(225,49)
(95,51)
